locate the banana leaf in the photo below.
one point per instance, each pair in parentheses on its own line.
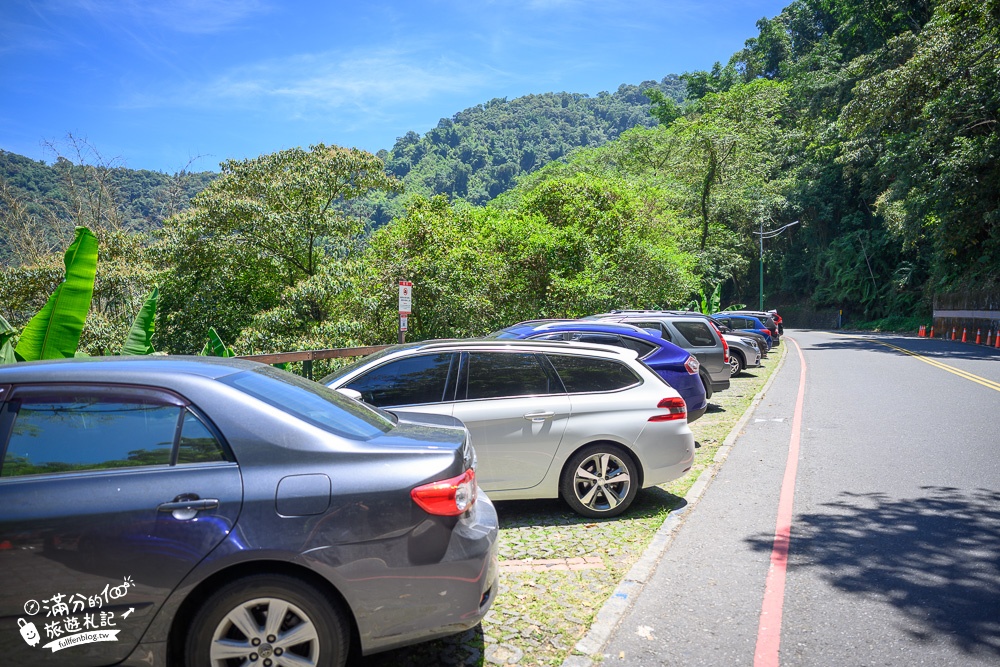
(141,333)
(215,347)
(7,355)
(6,349)
(54,332)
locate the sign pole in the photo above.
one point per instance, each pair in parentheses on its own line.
(405,307)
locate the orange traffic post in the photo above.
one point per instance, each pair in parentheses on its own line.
(922,332)
(932,331)
(979,336)
(964,331)
(996,341)
(989,337)
(953,333)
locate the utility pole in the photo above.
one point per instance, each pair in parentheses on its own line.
(770,234)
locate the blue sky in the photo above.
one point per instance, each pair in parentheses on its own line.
(155,84)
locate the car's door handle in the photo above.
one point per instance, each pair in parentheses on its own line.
(539,416)
(187,506)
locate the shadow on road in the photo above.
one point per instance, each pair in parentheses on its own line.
(934,348)
(936,558)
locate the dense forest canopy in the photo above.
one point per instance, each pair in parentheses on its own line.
(872,126)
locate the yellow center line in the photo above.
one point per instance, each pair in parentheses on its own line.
(937,364)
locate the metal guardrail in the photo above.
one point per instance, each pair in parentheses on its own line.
(309,356)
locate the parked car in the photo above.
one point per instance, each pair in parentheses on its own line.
(762,341)
(196,511)
(761,323)
(743,353)
(691,331)
(672,363)
(549,419)
(778,321)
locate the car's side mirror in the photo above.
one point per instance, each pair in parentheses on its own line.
(350,393)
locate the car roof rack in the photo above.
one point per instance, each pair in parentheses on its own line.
(508,343)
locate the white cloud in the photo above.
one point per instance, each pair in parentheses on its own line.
(313,83)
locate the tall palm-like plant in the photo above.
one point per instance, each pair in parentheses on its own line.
(54,332)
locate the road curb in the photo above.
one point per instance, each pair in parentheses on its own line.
(615,608)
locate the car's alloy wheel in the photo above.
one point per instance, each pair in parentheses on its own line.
(267,620)
(600,481)
(735,365)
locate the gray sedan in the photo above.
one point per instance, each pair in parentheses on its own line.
(164,510)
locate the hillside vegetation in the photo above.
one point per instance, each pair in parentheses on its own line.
(873,126)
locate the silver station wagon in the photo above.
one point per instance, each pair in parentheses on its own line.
(587,423)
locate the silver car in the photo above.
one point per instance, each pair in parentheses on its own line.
(743,353)
(548,419)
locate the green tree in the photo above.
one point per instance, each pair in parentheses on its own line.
(264,225)
(924,123)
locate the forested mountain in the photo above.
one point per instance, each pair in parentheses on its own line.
(146,197)
(479,153)
(475,155)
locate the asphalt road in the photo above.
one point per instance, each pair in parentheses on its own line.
(894,554)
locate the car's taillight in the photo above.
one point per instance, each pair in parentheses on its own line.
(449,497)
(675,409)
(692,365)
(725,345)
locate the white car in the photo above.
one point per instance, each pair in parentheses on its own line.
(587,423)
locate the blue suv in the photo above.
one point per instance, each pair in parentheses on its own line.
(744,322)
(672,363)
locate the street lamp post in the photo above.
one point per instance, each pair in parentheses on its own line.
(769,234)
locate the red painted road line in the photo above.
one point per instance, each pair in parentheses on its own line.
(769,628)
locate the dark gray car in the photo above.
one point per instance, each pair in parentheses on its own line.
(178,511)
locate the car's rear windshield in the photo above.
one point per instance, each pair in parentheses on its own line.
(696,333)
(312,402)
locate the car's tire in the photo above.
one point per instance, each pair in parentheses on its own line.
(600,480)
(736,363)
(233,623)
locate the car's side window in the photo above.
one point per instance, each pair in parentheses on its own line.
(696,333)
(409,381)
(599,338)
(642,347)
(653,325)
(73,429)
(550,336)
(588,374)
(506,374)
(197,443)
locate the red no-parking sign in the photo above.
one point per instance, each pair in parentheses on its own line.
(405,297)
